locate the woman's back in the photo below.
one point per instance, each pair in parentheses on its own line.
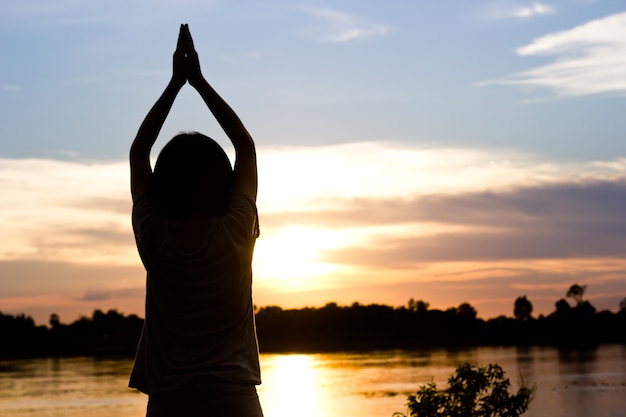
(199,297)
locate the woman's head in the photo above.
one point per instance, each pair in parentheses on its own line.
(192,176)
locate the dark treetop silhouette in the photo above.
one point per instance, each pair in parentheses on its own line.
(335,327)
(195,225)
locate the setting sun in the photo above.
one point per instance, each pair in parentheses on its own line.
(291,255)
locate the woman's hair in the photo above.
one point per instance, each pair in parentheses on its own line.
(192,176)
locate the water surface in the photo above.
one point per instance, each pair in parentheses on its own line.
(576,383)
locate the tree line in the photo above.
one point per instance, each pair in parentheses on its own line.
(416,325)
(335,327)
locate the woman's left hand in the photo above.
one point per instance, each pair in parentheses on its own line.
(180,61)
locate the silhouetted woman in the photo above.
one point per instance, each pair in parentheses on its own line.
(195,224)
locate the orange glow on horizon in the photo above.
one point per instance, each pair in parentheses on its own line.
(320,243)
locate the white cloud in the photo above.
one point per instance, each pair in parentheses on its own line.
(516,11)
(247,56)
(590,59)
(11,87)
(86,218)
(336,26)
(609,31)
(51,209)
(533,10)
(319,175)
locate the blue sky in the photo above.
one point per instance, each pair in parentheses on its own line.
(393,138)
(303,73)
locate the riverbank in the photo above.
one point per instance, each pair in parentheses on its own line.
(329,328)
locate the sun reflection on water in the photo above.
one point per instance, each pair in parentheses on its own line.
(290,386)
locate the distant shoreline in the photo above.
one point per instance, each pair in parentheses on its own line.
(331,328)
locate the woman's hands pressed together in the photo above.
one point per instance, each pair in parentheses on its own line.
(186,63)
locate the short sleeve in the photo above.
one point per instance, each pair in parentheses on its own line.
(243,211)
(143,215)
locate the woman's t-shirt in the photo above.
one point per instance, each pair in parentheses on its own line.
(199,317)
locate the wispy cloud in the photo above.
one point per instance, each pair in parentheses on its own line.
(70,224)
(590,59)
(85,80)
(103,292)
(518,11)
(145,72)
(336,26)
(396,170)
(39,288)
(247,56)
(11,87)
(564,221)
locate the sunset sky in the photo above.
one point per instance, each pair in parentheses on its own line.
(447,151)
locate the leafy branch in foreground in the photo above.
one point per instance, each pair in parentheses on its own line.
(473,392)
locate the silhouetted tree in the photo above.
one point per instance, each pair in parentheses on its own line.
(586,309)
(523,308)
(562,306)
(576,292)
(18,335)
(418,306)
(622,306)
(466,311)
(54,320)
(473,391)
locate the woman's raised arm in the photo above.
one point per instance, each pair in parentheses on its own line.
(140,169)
(245,169)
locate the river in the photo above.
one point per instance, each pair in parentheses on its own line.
(572,383)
